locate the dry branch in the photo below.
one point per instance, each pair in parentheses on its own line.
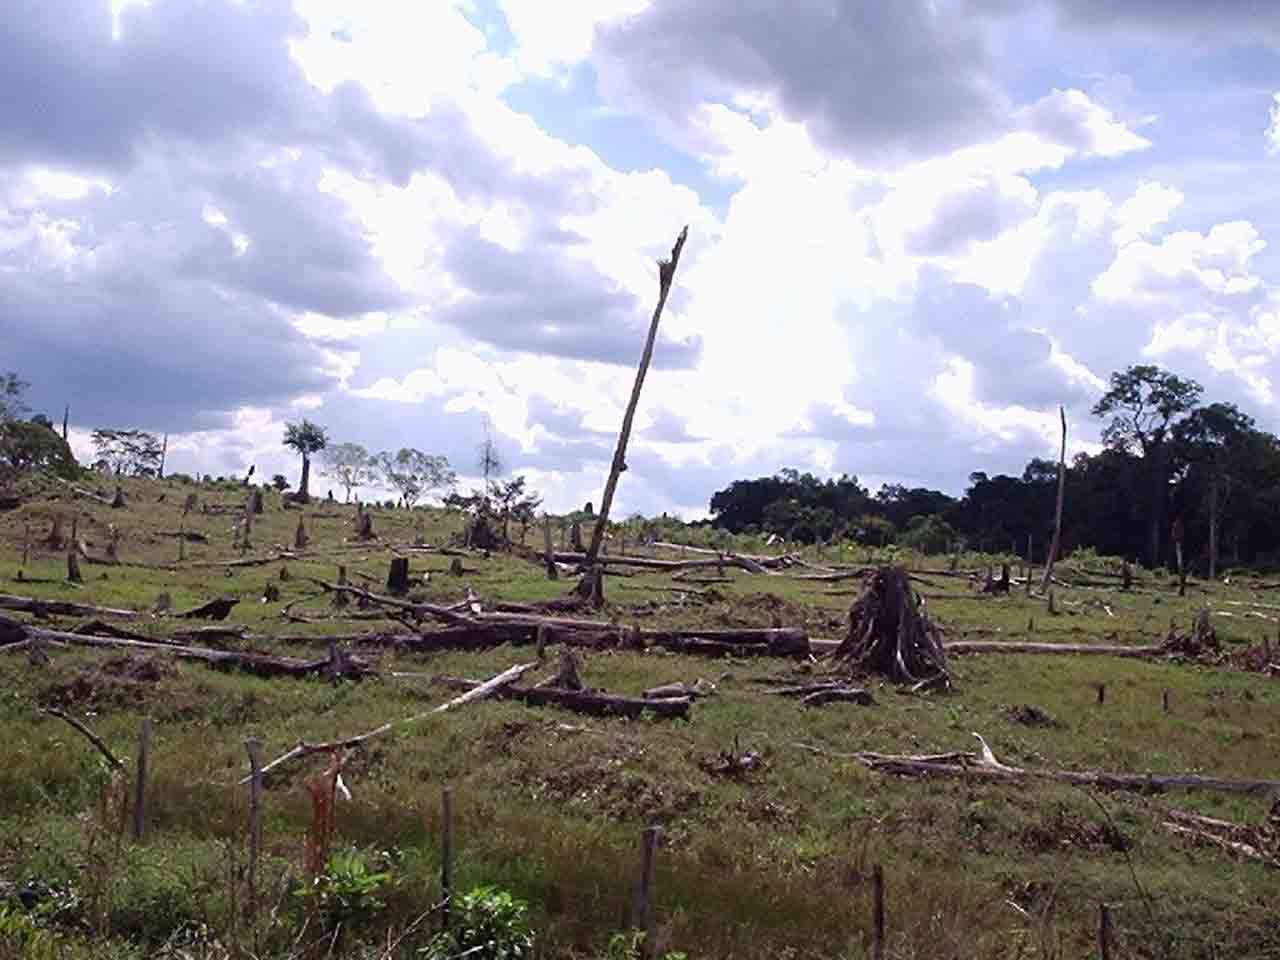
(93,738)
(489,687)
(984,766)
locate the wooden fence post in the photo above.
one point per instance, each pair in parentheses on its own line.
(26,541)
(140,781)
(1104,931)
(446,856)
(254,747)
(1164,700)
(642,911)
(877,912)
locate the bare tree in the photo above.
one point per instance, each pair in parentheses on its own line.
(666,273)
(349,464)
(412,473)
(489,460)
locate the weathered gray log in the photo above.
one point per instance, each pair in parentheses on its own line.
(40,607)
(1082,649)
(838,695)
(263,665)
(592,702)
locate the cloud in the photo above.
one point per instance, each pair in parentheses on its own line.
(879,81)
(542,300)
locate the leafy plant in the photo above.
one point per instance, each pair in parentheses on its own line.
(346,892)
(626,946)
(488,923)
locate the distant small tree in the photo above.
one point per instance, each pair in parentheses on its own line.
(349,464)
(489,461)
(134,453)
(280,482)
(412,473)
(511,502)
(305,438)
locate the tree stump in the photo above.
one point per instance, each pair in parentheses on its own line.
(73,567)
(1126,575)
(455,567)
(364,525)
(398,575)
(590,587)
(890,635)
(56,539)
(998,586)
(255,501)
(300,535)
(340,597)
(575,537)
(118,500)
(420,533)
(190,503)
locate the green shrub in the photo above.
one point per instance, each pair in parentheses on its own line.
(489,921)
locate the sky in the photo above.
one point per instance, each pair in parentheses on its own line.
(915,228)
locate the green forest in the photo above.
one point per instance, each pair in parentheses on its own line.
(1172,466)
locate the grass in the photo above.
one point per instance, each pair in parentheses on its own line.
(551,805)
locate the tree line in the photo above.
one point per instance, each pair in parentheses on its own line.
(1174,473)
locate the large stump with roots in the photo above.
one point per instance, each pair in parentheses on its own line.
(890,635)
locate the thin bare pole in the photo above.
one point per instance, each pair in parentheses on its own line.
(666,272)
(1057,521)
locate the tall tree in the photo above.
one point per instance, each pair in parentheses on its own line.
(1143,403)
(11,390)
(1211,440)
(132,452)
(306,438)
(412,473)
(349,464)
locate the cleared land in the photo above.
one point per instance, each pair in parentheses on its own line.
(762,859)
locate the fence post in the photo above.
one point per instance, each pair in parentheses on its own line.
(254,747)
(140,781)
(446,856)
(877,912)
(1104,931)
(642,913)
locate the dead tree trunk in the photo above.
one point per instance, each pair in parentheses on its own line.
(164,450)
(890,635)
(1213,526)
(398,575)
(118,500)
(1057,516)
(666,272)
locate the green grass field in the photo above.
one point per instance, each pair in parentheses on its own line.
(551,805)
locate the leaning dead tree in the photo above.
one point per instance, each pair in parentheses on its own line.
(666,272)
(1057,518)
(891,635)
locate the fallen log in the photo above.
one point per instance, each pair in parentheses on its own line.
(592,702)
(652,563)
(984,766)
(1254,841)
(40,607)
(420,610)
(81,491)
(1083,649)
(259,664)
(838,695)
(486,689)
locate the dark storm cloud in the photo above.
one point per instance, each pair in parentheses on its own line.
(878,80)
(543,300)
(162,354)
(186,70)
